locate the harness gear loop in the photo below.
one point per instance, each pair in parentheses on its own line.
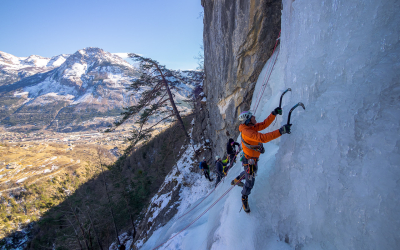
(251,169)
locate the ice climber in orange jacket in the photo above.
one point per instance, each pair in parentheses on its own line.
(252,148)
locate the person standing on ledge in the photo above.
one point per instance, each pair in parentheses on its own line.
(252,144)
(219,167)
(232,153)
(206,169)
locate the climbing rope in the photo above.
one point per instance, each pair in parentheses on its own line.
(260,93)
(198,217)
(202,199)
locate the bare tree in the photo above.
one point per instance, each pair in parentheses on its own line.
(200,58)
(107,192)
(75,216)
(76,233)
(94,229)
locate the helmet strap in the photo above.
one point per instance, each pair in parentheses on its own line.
(248,121)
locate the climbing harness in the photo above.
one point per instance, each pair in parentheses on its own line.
(252,168)
(259,148)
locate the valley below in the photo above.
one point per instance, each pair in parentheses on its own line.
(26,157)
(39,169)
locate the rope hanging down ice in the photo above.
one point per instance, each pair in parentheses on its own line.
(264,85)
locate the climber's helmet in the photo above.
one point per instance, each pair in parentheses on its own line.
(217,158)
(245,117)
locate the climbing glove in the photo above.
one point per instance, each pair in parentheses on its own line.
(285,129)
(277,111)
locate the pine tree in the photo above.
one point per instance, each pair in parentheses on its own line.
(156,101)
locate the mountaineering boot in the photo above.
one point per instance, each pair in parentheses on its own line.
(236,180)
(245,203)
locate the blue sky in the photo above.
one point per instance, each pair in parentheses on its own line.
(169,31)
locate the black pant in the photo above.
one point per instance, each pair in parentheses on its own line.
(207,174)
(219,178)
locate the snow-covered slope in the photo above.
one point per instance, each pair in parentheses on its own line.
(333,183)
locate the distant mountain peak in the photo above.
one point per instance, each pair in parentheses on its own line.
(8,58)
(35,60)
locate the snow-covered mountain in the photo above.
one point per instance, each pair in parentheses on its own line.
(62,91)
(13,69)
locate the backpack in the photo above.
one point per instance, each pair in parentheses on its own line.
(200,166)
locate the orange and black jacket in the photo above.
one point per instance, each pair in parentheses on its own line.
(251,136)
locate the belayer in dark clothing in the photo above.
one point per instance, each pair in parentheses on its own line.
(219,167)
(252,148)
(206,169)
(232,153)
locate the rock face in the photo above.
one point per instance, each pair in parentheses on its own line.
(239,37)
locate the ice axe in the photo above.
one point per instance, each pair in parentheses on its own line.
(280,102)
(290,112)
